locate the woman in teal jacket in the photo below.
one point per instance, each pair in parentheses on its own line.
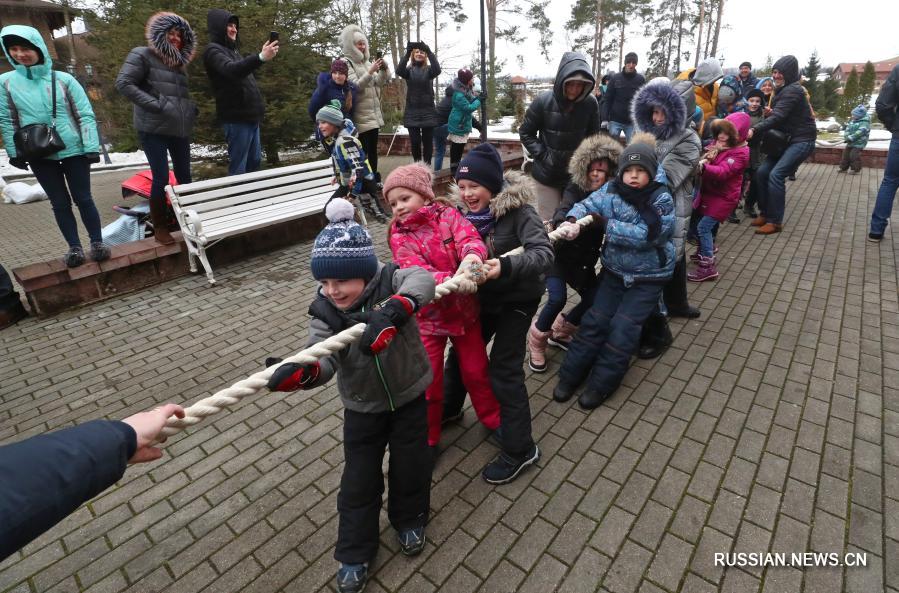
(459,125)
(25,98)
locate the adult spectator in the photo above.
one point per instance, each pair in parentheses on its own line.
(25,99)
(154,78)
(334,85)
(661,108)
(705,79)
(47,477)
(600,94)
(792,134)
(238,103)
(444,108)
(886,106)
(11,309)
(419,67)
(747,79)
(369,77)
(555,124)
(620,92)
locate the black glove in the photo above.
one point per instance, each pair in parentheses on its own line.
(291,376)
(410,46)
(92,157)
(424,47)
(19,163)
(383,322)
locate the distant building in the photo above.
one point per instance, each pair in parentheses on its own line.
(46,17)
(882,69)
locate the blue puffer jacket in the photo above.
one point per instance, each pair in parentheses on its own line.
(626,251)
(25,98)
(326,90)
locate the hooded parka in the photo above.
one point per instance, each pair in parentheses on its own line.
(554,127)
(237,96)
(154,78)
(26,98)
(367,110)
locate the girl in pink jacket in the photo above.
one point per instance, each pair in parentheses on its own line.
(722,169)
(432,234)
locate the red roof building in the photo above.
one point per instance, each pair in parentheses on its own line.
(882,69)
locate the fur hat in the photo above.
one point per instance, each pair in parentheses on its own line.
(660,96)
(641,152)
(156,33)
(417,177)
(340,67)
(484,166)
(331,113)
(859,112)
(343,250)
(464,75)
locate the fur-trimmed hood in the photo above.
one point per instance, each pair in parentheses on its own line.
(665,97)
(347,42)
(157,26)
(518,190)
(593,148)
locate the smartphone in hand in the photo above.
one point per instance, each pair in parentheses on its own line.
(272,36)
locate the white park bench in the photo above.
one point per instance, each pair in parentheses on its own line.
(211,210)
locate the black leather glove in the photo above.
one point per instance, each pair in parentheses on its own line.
(92,157)
(410,46)
(383,323)
(424,47)
(19,163)
(291,376)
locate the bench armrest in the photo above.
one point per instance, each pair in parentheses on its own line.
(193,221)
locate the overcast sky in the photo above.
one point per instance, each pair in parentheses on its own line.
(840,31)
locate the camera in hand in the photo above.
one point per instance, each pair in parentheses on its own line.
(273,36)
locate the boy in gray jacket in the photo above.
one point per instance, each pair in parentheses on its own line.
(381,380)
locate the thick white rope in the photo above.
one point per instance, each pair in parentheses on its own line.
(256,382)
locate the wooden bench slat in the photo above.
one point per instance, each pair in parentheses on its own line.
(220,229)
(316,177)
(288,192)
(198,186)
(235,217)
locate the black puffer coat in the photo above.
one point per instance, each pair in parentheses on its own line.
(420,111)
(237,97)
(154,78)
(554,127)
(619,94)
(791,111)
(888,100)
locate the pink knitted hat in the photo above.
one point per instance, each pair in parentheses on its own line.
(418,177)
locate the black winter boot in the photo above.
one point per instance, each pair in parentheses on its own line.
(655,337)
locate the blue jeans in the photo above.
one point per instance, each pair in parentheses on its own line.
(771,175)
(244,147)
(440,133)
(706,231)
(616,128)
(883,207)
(67,181)
(609,334)
(557,296)
(155,147)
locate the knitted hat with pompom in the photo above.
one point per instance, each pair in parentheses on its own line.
(418,177)
(343,250)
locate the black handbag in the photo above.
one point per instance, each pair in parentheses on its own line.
(35,141)
(774,143)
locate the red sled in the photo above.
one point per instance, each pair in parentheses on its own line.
(141,183)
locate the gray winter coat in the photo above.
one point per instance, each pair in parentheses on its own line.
(373,384)
(517,224)
(154,78)
(554,127)
(677,144)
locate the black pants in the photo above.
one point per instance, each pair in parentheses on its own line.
(9,299)
(422,140)
(365,437)
(67,181)
(456,150)
(369,142)
(508,326)
(675,290)
(158,148)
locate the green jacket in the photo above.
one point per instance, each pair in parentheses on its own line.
(857,132)
(464,104)
(25,98)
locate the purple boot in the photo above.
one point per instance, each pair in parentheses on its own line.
(706,270)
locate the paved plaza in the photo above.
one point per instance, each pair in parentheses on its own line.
(772,424)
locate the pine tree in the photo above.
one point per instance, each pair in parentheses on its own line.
(850,96)
(831,98)
(766,69)
(811,84)
(866,84)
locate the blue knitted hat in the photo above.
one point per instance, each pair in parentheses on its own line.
(484,166)
(859,112)
(343,249)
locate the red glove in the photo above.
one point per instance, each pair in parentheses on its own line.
(383,322)
(292,376)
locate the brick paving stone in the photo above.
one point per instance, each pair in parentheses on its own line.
(769,424)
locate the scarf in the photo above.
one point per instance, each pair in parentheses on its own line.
(482,220)
(641,200)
